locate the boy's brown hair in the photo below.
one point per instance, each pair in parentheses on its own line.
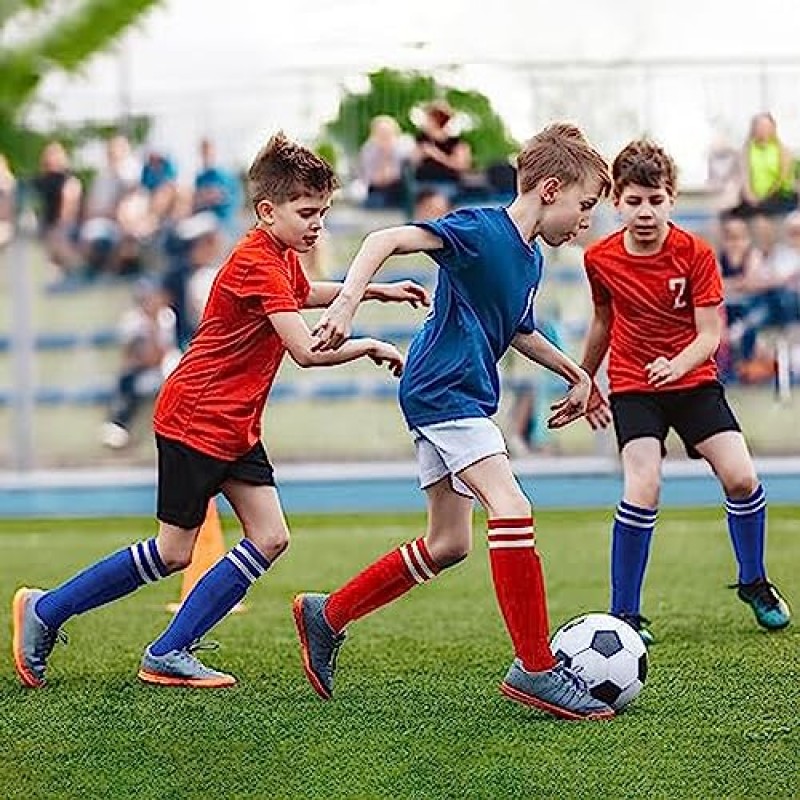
(560,151)
(284,170)
(644,163)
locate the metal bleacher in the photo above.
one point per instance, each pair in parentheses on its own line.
(104,337)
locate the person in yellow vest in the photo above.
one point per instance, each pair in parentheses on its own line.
(768,168)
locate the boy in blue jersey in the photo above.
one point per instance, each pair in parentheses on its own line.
(490,267)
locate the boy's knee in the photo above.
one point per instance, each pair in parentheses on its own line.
(740,485)
(272,544)
(450,552)
(176,561)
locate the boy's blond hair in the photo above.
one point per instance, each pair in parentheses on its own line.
(284,170)
(644,163)
(560,151)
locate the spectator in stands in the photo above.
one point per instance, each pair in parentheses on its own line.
(725,177)
(768,169)
(194,262)
(8,190)
(59,194)
(740,263)
(382,162)
(149,353)
(430,204)
(117,213)
(441,157)
(159,179)
(528,432)
(217,190)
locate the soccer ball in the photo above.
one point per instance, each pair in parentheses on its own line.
(607,653)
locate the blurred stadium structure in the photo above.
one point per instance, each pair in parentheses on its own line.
(349,413)
(684,103)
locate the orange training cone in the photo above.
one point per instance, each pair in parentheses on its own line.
(208,549)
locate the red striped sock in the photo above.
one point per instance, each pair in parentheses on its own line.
(519,586)
(387,579)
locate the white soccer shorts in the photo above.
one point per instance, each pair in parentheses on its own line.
(447,448)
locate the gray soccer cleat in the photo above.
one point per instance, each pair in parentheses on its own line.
(559,692)
(32,640)
(318,642)
(183,668)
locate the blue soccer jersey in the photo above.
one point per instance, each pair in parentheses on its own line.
(484,297)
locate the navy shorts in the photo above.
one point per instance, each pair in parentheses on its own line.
(188,479)
(694,414)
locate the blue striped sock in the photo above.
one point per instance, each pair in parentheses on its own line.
(107,580)
(216,593)
(630,549)
(747,522)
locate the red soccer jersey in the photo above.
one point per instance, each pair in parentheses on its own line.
(652,301)
(214,399)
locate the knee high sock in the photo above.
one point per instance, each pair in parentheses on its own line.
(115,576)
(390,577)
(519,587)
(747,520)
(216,593)
(630,549)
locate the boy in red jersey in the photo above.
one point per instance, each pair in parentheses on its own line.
(657,293)
(208,428)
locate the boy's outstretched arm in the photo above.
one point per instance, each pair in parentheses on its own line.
(323,293)
(296,337)
(334,325)
(540,350)
(598,414)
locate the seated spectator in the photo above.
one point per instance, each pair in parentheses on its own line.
(149,353)
(59,193)
(501,179)
(381,163)
(195,257)
(740,263)
(8,191)
(528,432)
(118,218)
(159,180)
(441,158)
(724,178)
(217,190)
(768,169)
(431,204)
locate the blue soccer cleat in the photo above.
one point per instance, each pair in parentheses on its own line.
(33,641)
(319,643)
(770,609)
(640,625)
(559,692)
(183,668)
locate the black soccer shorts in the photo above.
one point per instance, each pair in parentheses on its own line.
(188,479)
(694,414)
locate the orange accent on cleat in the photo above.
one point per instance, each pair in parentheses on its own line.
(17,609)
(297,613)
(157,679)
(548,708)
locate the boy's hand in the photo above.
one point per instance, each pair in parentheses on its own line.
(334,326)
(400,292)
(572,406)
(598,413)
(662,371)
(385,353)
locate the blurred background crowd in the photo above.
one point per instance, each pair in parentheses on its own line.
(118,219)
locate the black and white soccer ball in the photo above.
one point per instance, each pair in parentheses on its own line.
(607,653)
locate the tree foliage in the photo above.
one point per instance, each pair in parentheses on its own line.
(42,37)
(398,94)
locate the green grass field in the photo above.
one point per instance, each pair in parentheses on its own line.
(417,713)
